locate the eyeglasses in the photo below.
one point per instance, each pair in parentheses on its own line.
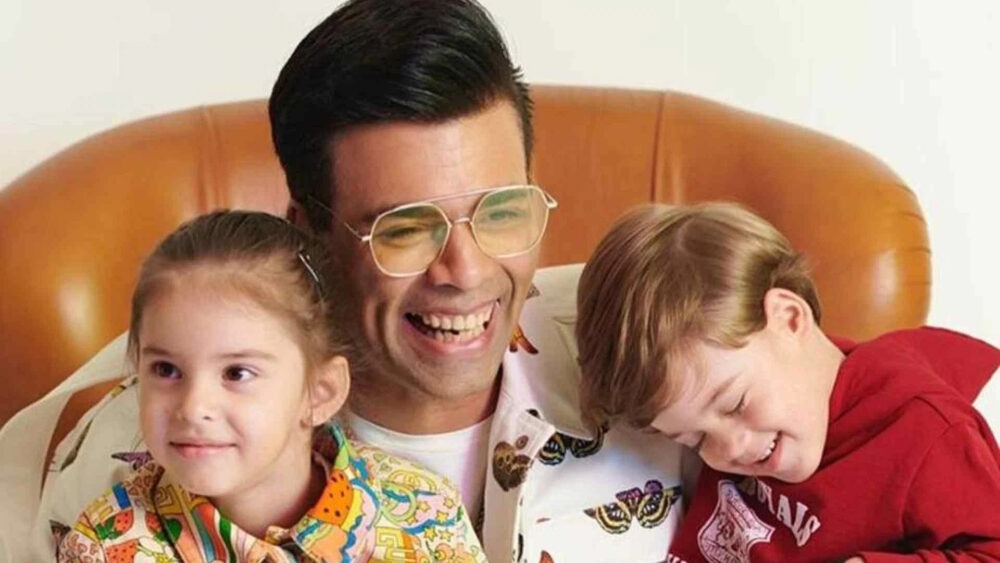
(407,239)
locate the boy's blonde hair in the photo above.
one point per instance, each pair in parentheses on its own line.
(663,279)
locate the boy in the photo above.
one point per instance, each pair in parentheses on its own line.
(816,449)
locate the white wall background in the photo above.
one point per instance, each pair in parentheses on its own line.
(916,82)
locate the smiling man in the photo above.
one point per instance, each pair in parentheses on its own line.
(433,333)
(405,134)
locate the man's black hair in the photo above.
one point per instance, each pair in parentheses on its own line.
(386,60)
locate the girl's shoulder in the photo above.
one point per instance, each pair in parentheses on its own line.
(121,522)
(134,493)
(390,470)
(342,449)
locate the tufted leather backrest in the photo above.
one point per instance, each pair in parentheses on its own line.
(74,230)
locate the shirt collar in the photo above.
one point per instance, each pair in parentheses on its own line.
(332,530)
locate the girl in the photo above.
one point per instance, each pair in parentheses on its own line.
(240,367)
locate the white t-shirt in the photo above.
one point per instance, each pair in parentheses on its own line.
(460,456)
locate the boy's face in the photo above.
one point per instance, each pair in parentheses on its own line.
(757,410)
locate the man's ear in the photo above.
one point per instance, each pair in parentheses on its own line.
(296,215)
(329,390)
(787,312)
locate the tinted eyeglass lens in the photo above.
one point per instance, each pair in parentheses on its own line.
(506,222)
(407,240)
(510,221)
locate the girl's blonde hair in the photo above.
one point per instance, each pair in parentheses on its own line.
(261,257)
(663,279)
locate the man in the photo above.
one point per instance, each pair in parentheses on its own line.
(405,134)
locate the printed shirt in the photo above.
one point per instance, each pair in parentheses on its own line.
(910,471)
(556,493)
(374,508)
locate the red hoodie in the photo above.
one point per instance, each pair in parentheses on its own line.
(910,470)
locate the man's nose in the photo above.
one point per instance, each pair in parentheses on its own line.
(462,263)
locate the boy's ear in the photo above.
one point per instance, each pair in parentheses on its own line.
(788,312)
(329,390)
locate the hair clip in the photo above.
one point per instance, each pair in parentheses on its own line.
(307,262)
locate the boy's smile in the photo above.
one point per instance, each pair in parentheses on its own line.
(761,409)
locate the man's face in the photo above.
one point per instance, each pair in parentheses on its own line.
(757,410)
(410,357)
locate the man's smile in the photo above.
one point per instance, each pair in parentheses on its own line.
(457,328)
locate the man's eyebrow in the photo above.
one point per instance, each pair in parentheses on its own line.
(414,211)
(368,218)
(505,197)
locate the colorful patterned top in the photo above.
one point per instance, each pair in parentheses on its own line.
(375,507)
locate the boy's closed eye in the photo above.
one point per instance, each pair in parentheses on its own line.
(740,406)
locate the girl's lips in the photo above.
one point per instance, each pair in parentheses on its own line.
(196,450)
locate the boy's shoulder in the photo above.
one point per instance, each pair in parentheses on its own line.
(963,363)
(921,380)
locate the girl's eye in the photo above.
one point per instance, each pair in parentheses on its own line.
(165,370)
(238,374)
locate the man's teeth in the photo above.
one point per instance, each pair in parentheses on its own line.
(456,322)
(452,328)
(769,451)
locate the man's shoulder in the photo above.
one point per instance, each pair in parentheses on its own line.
(539,370)
(555,289)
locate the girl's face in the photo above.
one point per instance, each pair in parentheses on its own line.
(222,393)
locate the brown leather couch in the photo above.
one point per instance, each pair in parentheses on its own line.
(74,230)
